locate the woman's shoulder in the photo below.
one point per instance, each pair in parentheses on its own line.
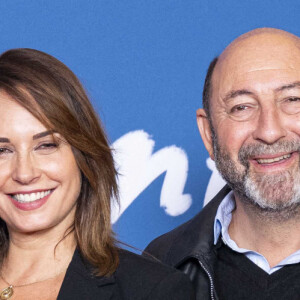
(136,278)
(142,277)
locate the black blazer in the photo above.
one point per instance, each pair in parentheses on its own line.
(135,278)
(190,248)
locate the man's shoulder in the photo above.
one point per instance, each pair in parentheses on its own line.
(160,247)
(147,277)
(135,264)
(184,239)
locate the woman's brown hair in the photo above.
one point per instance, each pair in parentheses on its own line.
(53,94)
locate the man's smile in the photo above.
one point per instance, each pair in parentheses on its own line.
(274,163)
(273,159)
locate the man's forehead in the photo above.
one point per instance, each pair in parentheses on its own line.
(261,38)
(260,50)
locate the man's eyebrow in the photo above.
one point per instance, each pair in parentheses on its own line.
(290,86)
(42,134)
(4,140)
(235,93)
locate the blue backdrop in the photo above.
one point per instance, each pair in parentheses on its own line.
(143,64)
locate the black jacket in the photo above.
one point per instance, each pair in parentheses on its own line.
(189,248)
(136,278)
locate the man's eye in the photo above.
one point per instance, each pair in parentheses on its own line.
(242,112)
(4,151)
(294,99)
(238,108)
(291,105)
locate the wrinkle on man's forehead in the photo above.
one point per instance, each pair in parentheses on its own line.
(258,83)
(261,57)
(262,75)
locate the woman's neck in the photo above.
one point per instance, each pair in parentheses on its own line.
(37,255)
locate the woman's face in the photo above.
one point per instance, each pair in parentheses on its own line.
(39,178)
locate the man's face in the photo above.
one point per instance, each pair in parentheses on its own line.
(255,115)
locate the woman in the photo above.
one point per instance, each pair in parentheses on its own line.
(57,177)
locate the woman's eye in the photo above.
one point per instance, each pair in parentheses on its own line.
(47,147)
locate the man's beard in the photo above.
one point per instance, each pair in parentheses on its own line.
(272,194)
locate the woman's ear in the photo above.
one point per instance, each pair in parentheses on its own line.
(205,131)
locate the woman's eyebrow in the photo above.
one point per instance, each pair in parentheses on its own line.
(41,134)
(35,137)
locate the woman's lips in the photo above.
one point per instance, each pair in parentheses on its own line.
(30,200)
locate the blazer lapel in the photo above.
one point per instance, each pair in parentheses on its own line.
(197,237)
(80,284)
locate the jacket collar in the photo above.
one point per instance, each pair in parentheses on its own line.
(197,238)
(79,283)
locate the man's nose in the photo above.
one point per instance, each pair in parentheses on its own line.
(270,126)
(24,170)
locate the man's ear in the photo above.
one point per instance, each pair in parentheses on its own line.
(205,131)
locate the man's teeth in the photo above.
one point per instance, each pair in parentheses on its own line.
(271,160)
(24,198)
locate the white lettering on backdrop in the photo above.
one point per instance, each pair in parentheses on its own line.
(138,166)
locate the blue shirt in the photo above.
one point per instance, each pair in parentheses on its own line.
(221,224)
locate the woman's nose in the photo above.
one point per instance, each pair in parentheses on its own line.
(25,171)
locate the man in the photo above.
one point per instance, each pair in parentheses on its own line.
(245,244)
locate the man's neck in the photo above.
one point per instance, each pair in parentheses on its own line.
(274,238)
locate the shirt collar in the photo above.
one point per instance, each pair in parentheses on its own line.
(221,225)
(223,216)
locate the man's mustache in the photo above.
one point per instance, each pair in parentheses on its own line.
(253,150)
